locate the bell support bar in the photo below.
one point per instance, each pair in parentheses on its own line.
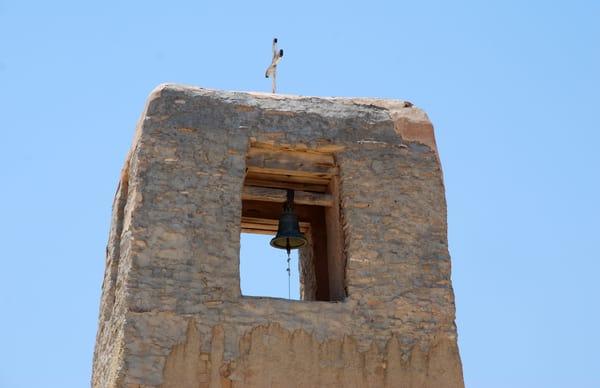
(267,194)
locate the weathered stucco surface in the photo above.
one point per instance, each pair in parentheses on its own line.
(171,313)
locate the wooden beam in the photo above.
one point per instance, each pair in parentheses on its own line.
(301,170)
(324,174)
(318,188)
(268,194)
(252,174)
(251,230)
(266,226)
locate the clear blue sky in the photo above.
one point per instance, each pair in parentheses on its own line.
(511,86)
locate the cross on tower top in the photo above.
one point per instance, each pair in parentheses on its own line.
(272,69)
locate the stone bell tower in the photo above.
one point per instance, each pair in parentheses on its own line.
(377,306)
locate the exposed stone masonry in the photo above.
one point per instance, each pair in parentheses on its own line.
(172,314)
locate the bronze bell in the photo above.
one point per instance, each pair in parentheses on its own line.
(288,231)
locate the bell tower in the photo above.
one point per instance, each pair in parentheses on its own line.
(355,184)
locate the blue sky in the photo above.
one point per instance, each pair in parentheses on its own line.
(512,88)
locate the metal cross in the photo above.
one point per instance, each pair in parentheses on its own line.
(272,69)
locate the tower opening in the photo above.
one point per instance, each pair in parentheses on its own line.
(270,173)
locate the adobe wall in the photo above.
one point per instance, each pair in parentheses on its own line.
(171,313)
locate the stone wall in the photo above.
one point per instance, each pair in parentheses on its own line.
(172,314)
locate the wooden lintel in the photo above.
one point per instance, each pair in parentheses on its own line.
(279,195)
(315,180)
(315,172)
(319,188)
(297,169)
(266,226)
(258,231)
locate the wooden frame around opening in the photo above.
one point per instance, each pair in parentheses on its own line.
(314,178)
